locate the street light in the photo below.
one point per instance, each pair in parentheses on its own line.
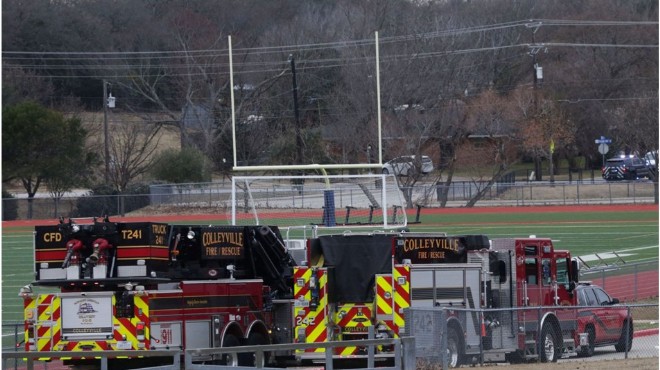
(108,102)
(369,156)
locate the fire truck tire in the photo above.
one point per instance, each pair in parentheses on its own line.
(253,340)
(230,359)
(454,348)
(588,351)
(550,349)
(625,342)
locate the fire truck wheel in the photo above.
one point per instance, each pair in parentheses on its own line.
(550,349)
(625,342)
(453,348)
(230,359)
(588,351)
(256,339)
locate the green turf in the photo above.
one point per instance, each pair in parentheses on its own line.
(580,232)
(632,233)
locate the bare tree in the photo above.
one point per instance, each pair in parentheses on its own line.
(495,120)
(132,150)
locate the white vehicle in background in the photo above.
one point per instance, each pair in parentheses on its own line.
(406,166)
(650,159)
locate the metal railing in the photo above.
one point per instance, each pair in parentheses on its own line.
(403,355)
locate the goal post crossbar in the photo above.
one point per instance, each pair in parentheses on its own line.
(319,200)
(309,167)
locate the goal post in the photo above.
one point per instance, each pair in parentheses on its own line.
(346,201)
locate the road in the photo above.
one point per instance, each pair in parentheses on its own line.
(644,346)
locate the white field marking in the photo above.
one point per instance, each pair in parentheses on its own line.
(639,248)
(20,333)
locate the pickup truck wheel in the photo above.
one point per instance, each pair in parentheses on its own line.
(588,351)
(454,352)
(625,342)
(549,348)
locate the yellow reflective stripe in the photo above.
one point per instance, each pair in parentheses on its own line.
(45,340)
(347,351)
(401,296)
(307,275)
(141,303)
(320,326)
(384,304)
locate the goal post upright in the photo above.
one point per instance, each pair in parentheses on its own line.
(377,180)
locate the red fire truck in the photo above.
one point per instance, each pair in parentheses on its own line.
(357,284)
(146,285)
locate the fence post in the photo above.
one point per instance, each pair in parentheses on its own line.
(635,281)
(627,333)
(482,324)
(443,339)
(15,345)
(540,345)
(409,361)
(328,357)
(370,358)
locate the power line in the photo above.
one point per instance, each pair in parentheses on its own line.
(332,45)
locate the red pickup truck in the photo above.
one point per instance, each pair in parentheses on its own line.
(603,319)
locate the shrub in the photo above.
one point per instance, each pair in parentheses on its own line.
(186,165)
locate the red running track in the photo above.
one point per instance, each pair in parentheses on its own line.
(623,286)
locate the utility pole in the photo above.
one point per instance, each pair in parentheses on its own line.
(299,142)
(534,49)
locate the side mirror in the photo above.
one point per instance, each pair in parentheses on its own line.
(575,271)
(615,301)
(571,287)
(501,267)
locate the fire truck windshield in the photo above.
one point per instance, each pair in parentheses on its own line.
(562,271)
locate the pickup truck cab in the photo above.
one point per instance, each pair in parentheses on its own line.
(603,319)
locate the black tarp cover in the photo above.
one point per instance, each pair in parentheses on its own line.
(355,261)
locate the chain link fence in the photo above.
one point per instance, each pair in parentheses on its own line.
(452,336)
(216,197)
(629,282)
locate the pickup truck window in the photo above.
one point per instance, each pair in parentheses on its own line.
(590,297)
(602,297)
